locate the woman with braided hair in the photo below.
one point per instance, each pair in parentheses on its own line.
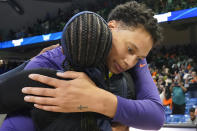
(134,32)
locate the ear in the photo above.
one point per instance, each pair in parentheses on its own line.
(113,24)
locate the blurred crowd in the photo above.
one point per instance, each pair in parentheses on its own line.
(174,65)
(174,73)
(51,25)
(162,6)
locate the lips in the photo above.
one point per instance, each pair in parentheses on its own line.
(118,67)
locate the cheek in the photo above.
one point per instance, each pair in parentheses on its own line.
(109,59)
(113,51)
(117,50)
(110,65)
(133,63)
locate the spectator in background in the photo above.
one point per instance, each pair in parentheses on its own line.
(194,77)
(178,97)
(193,118)
(167,94)
(187,75)
(186,84)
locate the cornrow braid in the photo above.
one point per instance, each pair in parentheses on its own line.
(86,41)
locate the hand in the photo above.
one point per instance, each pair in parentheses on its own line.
(77,95)
(180,84)
(67,96)
(47,48)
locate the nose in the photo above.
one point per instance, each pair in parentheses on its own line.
(130,61)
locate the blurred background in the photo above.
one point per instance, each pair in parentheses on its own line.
(27,26)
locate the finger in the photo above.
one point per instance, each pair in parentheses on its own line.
(44,79)
(49,48)
(40,100)
(69,74)
(48,108)
(52,47)
(39,91)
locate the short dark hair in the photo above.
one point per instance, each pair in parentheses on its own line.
(133,14)
(192,110)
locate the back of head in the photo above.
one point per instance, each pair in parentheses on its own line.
(133,14)
(86,40)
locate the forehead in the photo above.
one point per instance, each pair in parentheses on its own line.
(138,27)
(137,32)
(137,38)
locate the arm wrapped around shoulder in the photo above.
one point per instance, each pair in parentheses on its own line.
(11,97)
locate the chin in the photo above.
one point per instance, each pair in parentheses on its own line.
(113,71)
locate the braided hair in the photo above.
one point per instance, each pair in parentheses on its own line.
(86,41)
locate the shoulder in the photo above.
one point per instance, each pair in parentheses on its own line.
(141,66)
(50,59)
(56,52)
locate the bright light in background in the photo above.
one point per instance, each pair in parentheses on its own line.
(1,62)
(177,15)
(163,17)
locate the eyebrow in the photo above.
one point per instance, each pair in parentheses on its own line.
(134,46)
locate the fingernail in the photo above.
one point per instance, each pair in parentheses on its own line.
(31,75)
(60,73)
(24,90)
(35,105)
(26,98)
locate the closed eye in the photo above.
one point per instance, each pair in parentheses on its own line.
(130,50)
